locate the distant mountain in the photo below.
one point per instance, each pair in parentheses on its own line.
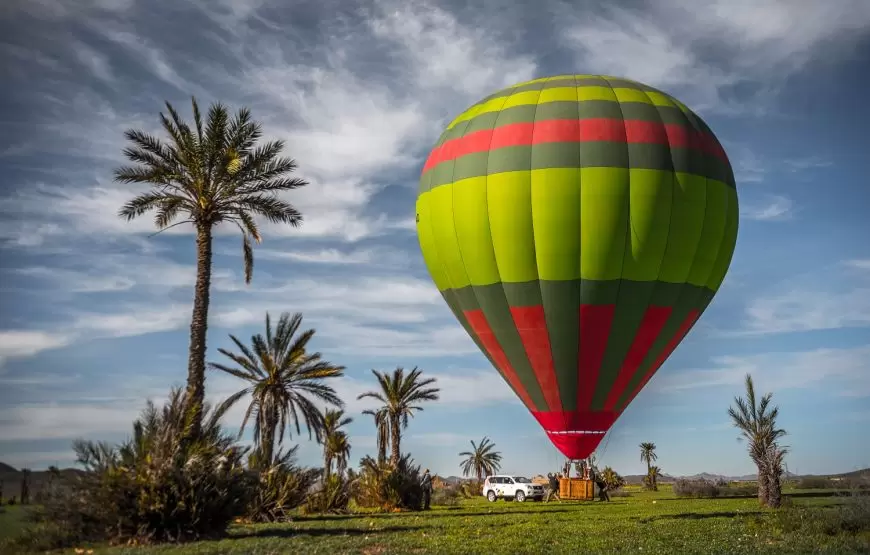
(4,468)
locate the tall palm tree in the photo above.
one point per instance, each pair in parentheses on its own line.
(281,375)
(648,455)
(757,424)
(205,176)
(382,425)
(399,393)
(482,460)
(335,441)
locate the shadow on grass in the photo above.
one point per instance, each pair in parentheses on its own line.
(322,532)
(699,516)
(435,513)
(795,495)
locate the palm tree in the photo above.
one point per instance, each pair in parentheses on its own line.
(335,442)
(482,460)
(206,176)
(612,479)
(398,392)
(648,455)
(757,424)
(382,424)
(281,375)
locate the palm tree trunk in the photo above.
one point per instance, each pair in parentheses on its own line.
(198,331)
(382,441)
(396,433)
(762,484)
(267,442)
(327,467)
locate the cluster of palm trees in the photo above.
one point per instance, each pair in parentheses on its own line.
(756,420)
(212,172)
(648,455)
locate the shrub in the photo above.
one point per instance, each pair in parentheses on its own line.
(155,487)
(611,479)
(449,495)
(739,490)
(851,517)
(695,488)
(333,497)
(384,487)
(470,490)
(815,482)
(281,487)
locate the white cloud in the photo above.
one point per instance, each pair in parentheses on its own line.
(807,310)
(25,343)
(759,45)
(858,264)
(96,62)
(344,128)
(845,370)
(775,209)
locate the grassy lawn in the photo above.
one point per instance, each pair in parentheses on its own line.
(644,522)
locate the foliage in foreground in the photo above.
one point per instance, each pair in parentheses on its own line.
(385,487)
(282,487)
(156,487)
(333,497)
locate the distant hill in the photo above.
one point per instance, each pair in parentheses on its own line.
(11,479)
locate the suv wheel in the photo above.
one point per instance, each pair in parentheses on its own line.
(521,496)
(490,495)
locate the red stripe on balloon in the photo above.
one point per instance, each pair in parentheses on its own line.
(684,328)
(580,131)
(654,320)
(482,329)
(595,321)
(531,324)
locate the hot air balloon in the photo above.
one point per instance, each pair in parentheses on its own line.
(577,226)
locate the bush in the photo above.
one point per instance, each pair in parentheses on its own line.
(448,496)
(386,488)
(851,517)
(470,490)
(153,488)
(739,490)
(815,482)
(695,488)
(333,497)
(281,487)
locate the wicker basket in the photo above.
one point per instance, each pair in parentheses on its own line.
(576,489)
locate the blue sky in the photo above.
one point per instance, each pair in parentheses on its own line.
(95,312)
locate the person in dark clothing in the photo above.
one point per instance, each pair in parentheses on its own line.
(553,491)
(602,489)
(426,484)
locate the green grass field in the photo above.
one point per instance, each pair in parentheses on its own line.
(643,523)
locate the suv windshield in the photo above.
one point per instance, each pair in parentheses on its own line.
(522,480)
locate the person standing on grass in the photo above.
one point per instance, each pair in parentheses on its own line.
(602,489)
(553,490)
(426,484)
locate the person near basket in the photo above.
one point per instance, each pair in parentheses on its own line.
(553,487)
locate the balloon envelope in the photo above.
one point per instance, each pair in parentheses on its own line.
(577,226)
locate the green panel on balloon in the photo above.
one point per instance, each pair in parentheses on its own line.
(510,216)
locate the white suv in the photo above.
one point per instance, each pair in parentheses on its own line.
(511,487)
